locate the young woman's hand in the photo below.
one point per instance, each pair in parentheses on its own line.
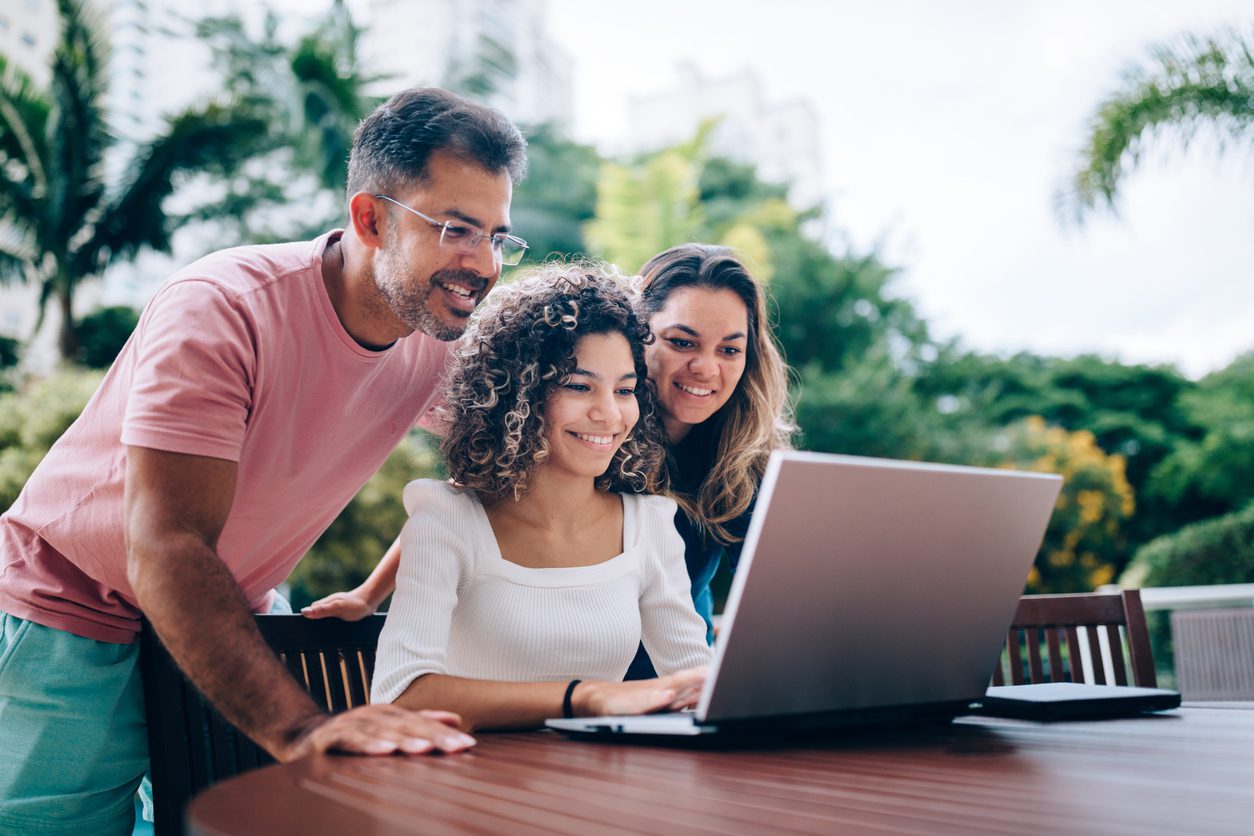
(672,692)
(349,606)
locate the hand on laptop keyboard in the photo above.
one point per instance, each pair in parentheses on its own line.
(673,692)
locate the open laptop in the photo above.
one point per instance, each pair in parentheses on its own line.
(868,591)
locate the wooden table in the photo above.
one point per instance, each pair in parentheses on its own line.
(1186,771)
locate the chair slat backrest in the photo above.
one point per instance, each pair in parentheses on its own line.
(1078,635)
(190,745)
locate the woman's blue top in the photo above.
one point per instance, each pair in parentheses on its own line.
(688,466)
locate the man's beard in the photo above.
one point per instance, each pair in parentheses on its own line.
(410,301)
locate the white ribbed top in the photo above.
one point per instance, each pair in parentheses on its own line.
(463,610)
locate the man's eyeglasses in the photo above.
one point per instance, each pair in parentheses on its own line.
(506,249)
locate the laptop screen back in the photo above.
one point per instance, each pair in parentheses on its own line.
(870,583)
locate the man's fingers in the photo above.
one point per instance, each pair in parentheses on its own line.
(383,730)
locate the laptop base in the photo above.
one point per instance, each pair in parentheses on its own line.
(758,731)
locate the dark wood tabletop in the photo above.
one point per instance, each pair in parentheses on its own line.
(1184,771)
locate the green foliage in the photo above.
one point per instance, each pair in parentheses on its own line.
(31,420)
(648,205)
(309,98)
(102,334)
(867,409)
(10,353)
(1220,550)
(1132,410)
(1212,473)
(1189,82)
(1083,546)
(558,196)
(347,552)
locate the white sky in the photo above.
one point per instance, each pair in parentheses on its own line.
(946,128)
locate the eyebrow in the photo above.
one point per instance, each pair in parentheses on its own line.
(596,376)
(692,332)
(462,216)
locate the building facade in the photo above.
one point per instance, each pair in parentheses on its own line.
(498,51)
(781,139)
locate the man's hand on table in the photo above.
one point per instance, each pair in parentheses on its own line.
(381,730)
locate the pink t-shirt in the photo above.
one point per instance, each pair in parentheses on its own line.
(240,356)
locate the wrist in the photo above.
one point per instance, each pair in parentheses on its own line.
(583,700)
(292,740)
(371,595)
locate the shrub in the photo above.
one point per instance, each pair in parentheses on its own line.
(1218,550)
(102,334)
(347,551)
(35,417)
(1084,541)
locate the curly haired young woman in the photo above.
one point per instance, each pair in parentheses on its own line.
(528,580)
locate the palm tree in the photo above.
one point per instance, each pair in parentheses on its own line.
(61,223)
(312,95)
(1191,81)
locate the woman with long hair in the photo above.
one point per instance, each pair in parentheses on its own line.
(722,390)
(527,581)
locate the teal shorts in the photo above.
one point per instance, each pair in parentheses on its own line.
(72,731)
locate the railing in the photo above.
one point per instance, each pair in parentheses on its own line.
(1212,633)
(1218,596)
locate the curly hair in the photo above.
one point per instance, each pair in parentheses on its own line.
(758,417)
(518,350)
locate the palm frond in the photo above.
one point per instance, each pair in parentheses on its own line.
(17,252)
(214,138)
(1190,82)
(24,115)
(78,136)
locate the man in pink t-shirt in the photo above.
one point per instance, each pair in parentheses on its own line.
(262,387)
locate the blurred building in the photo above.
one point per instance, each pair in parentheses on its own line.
(498,51)
(780,138)
(28,29)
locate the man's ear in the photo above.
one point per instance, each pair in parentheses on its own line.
(366,218)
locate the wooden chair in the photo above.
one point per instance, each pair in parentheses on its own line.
(190,745)
(1082,639)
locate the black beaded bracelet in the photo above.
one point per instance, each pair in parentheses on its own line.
(568,711)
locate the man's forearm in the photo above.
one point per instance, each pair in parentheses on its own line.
(199,612)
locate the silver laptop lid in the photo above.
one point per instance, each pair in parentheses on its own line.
(872,583)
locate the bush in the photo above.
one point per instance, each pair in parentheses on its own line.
(102,334)
(1219,550)
(1084,543)
(32,419)
(10,353)
(347,551)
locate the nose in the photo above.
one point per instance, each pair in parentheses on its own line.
(701,364)
(482,261)
(605,409)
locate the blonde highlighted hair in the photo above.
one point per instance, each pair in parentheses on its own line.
(758,417)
